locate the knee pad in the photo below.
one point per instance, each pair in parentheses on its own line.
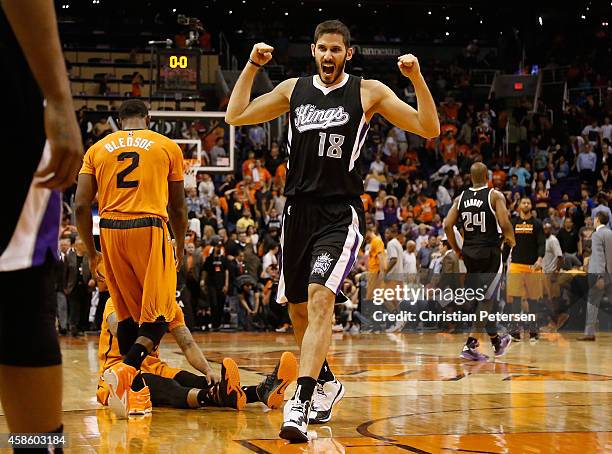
(127,333)
(154,331)
(28,337)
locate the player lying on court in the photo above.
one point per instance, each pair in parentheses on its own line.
(324,219)
(163,385)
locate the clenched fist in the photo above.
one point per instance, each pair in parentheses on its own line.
(408,64)
(261,53)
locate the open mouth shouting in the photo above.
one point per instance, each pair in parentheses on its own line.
(328,68)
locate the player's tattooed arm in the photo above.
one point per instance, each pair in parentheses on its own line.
(449,223)
(192,352)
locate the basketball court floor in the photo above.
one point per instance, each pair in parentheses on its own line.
(405,393)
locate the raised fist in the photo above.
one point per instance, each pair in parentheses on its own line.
(408,64)
(261,53)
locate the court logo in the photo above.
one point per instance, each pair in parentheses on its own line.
(308,117)
(322,264)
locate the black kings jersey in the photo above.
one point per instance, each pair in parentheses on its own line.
(481,231)
(327,128)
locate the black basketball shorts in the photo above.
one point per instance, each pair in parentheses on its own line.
(320,241)
(484,270)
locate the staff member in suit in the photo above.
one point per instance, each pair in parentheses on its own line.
(600,267)
(78,285)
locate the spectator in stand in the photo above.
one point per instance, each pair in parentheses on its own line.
(190,280)
(602,205)
(216,280)
(515,187)
(269,259)
(568,237)
(592,133)
(257,138)
(584,236)
(245,221)
(586,164)
(218,151)
(562,168)
(566,204)
(248,309)
(274,159)
(261,177)
(604,176)
(542,200)
(521,172)
(206,189)
(390,211)
(377,166)
(425,209)
(193,202)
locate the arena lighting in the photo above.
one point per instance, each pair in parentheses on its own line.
(447,18)
(481,21)
(174,10)
(286,13)
(540,20)
(320,9)
(230,12)
(447,34)
(583,17)
(429,13)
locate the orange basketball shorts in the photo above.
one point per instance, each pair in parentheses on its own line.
(140,268)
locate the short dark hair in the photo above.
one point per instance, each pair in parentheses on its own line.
(333,26)
(603,217)
(133,108)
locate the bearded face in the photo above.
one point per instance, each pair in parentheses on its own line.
(330,54)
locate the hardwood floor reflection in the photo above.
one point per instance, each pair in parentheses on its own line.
(405,393)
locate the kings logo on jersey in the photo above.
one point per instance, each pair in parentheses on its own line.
(308,117)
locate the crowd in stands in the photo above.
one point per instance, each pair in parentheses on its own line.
(230,273)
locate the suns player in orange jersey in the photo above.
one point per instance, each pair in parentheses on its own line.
(172,387)
(137,173)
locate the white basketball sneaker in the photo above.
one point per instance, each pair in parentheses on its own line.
(326,395)
(295,421)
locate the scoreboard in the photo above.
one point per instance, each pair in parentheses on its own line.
(178,70)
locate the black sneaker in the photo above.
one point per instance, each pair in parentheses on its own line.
(534,337)
(227,393)
(516,336)
(271,391)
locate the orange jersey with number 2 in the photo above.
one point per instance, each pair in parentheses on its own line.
(132,169)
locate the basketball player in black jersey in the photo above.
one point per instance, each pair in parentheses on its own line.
(41,131)
(482,214)
(323,221)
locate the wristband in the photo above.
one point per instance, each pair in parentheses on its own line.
(253,63)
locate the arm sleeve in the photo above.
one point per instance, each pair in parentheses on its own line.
(176,162)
